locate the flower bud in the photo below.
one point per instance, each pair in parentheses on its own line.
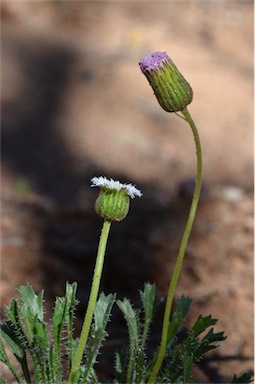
(113,201)
(172,91)
(112,205)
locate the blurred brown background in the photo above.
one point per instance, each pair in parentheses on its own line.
(75,105)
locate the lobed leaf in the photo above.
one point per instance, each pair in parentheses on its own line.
(179,317)
(150,302)
(132,319)
(69,317)
(4,359)
(245,378)
(202,323)
(32,301)
(97,335)
(17,346)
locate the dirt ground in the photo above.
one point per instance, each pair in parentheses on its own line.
(75,105)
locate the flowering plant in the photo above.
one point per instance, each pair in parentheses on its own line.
(50,353)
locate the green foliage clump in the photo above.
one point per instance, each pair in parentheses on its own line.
(45,352)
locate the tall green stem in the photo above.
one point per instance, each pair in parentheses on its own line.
(92,300)
(182,249)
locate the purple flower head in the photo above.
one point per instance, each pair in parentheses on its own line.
(172,91)
(153,61)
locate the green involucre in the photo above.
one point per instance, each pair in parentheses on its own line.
(171,89)
(112,205)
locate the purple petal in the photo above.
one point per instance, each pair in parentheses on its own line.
(153,61)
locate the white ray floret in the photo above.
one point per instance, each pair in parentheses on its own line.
(130,189)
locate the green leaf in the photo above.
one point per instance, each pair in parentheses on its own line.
(33,316)
(131,317)
(103,310)
(139,366)
(58,319)
(180,357)
(4,359)
(93,379)
(14,315)
(121,363)
(118,364)
(183,305)
(58,324)
(202,323)
(27,330)
(36,329)
(17,346)
(149,301)
(245,378)
(206,343)
(69,318)
(180,315)
(12,338)
(187,368)
(32,301)
(97,335)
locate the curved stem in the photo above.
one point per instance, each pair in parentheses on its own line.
(182,249)
(92,300)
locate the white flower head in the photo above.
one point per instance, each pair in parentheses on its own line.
(103,182)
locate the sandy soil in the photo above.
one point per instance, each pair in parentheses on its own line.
(75,105)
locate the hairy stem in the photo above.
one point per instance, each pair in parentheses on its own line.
(92,300)
(183,246)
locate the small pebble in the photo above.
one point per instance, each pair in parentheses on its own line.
(14,241)
(232,193)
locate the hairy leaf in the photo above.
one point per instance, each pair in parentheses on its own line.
(97,335)
(245,378)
